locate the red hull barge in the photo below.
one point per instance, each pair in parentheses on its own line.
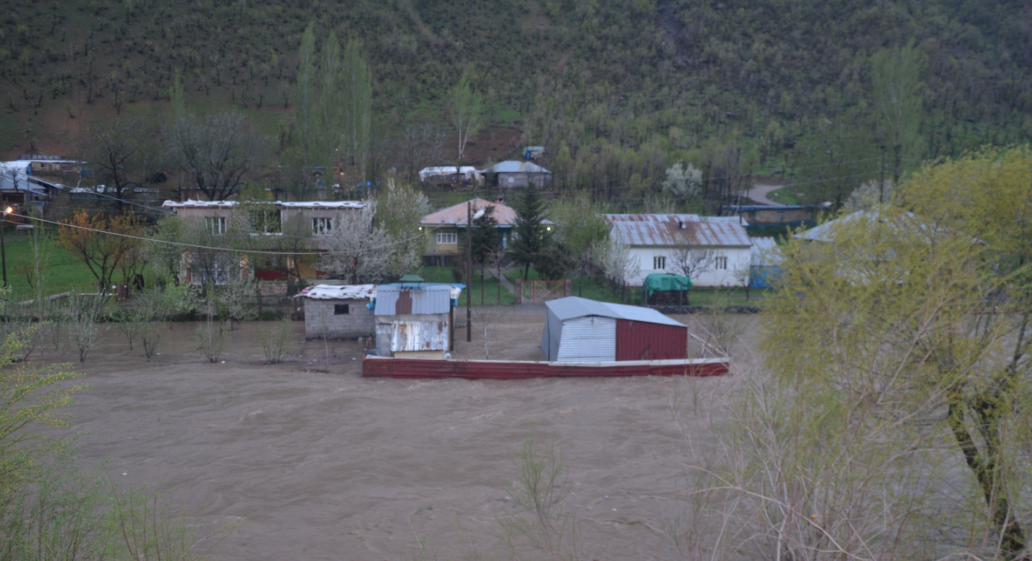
(421,369)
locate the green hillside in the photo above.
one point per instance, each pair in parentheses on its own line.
(617,89)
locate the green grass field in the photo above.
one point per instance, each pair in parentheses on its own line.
(63,271)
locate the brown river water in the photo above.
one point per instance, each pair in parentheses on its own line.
(314,462)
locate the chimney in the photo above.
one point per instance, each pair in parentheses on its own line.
(680,224)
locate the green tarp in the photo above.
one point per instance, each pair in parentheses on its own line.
(663,283)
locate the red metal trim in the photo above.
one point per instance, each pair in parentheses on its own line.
(406,368)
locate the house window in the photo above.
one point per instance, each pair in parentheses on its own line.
(720,263)
(341,309)
(321,226)
(215,224)
(445,238)
(781,216)
(659,262)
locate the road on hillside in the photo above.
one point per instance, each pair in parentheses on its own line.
(759,194)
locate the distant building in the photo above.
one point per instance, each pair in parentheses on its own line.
(655,240)
(468,174)
(443,228)
(19,184)
(304,217)
(582,330)
(513,174)
(339,312)
(765,217)
(415,320)
(533,152)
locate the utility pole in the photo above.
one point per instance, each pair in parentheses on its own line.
(469,271)
(881,182)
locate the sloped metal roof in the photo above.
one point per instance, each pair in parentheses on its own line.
(340,292)
(576,307)
(765,253)
(426,298)
(320,204)
(666,230)
(515,166)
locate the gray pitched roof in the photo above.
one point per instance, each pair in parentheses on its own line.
(575,307)
(667,230)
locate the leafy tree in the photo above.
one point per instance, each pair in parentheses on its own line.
(102,243)
(530,235)
(683,181)
(579,227)
(358,103)
(466,112)
(895,331)
(899,104)
(400,207)
(359,250)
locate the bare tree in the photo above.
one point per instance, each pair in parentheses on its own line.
(119,153)
(467,111)
(692,261)
(214,154)
(420,146)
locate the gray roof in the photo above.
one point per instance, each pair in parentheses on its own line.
(671,230)
(426,298)
(765,253)
(515,166)
(575,307)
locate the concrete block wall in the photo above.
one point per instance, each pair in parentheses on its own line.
(320,316)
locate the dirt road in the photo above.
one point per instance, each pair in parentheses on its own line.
(759,194)
(319,463)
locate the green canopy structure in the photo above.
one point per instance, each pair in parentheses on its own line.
(666,283)
(411,279)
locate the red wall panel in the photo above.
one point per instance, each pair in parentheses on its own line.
(637,340)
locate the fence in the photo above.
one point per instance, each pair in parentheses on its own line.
(542,290)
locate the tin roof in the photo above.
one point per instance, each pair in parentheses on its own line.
(340,292)
(456,215)
(576,307)
(679,229)
(515,166)
(765,253)
(429,298)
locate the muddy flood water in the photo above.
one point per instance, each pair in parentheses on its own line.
(315,462)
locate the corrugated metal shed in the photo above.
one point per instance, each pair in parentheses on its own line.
(410,336)
(582,330)
(396,299)
(671,230)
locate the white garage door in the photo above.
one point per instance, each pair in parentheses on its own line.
(588,339)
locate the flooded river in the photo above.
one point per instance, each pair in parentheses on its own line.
(316,462)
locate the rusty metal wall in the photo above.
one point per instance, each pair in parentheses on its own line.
(498,370)
(637,340)
(419,336)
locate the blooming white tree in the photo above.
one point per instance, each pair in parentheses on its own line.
(682,181)
(359,251)
(614,257)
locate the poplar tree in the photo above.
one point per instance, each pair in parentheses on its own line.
(531,236)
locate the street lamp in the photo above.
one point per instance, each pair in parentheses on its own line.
(3,246)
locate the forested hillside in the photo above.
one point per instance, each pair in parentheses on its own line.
(618,90)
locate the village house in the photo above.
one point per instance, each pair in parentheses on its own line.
(338,312)
(442,228)
(22,186)
(514,174)
(308,222)
(656,241)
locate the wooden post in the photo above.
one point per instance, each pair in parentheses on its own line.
(469,270)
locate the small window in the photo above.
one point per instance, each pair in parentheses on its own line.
(215,224)
(659,262)
(720,263)
(510,180)
(321,226)
(341,309)
(445,238)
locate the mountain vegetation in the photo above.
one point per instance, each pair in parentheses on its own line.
(829,93)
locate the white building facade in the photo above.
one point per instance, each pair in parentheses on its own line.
(655,242)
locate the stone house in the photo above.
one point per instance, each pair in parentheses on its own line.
(338,312)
